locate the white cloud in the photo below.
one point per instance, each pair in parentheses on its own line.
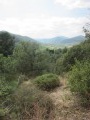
(74,3)
(44,27)
(30,17)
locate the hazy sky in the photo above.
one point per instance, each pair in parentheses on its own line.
(44,18)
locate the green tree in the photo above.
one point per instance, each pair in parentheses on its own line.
(24,54)
(6,43)
(79,52)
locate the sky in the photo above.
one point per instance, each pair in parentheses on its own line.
(44,18)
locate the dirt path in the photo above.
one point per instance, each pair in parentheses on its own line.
(66,107)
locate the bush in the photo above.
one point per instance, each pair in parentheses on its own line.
(47,81)
(79,79)
(6,87)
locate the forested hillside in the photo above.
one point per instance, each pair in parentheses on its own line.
(29,74)
(18,38)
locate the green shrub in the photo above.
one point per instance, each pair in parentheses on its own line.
(7,88)
(79,79)
(47,81)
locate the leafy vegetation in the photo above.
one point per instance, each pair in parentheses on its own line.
(78,52)
(23,61)
(47,81)
(6,43)
(79,81)
(24,55)
(80,78)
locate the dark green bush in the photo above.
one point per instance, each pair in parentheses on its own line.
(47,81)
(79,79)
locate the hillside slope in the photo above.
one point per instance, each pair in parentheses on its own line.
(18,38)
(62,41)
(74,40)
(54,40)
(23,38)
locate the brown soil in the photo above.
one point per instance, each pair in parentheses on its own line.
(66,105)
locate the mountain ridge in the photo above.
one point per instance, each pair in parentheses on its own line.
(63,40)
(55,41)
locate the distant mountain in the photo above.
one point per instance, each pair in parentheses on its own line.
(54,40)
(64,41)
(73,40)
(18,38)
(60,41)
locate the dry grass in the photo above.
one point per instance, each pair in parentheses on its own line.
(66,104)
(31,103)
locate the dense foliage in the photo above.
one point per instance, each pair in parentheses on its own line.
(6,43)
(24,55)
(79,52)
(47,81)
(79,79)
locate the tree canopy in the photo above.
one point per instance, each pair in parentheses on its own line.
(6,43)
